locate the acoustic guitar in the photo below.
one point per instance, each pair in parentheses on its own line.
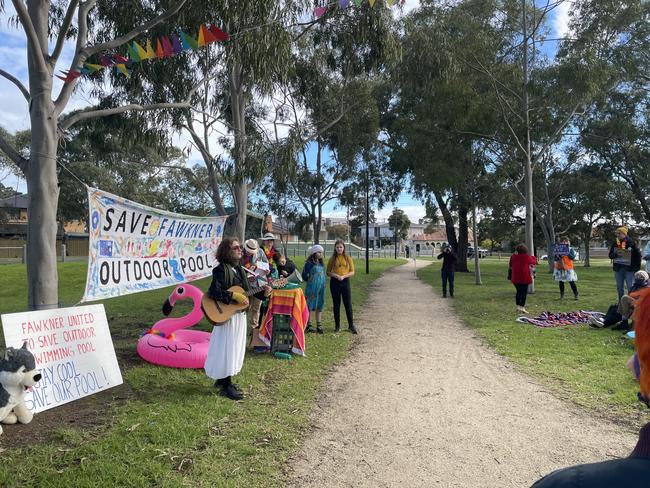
(218,312)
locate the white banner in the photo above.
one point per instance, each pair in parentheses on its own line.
(135,248)
(73,350)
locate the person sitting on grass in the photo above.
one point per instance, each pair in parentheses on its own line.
(626,303)
(634,470)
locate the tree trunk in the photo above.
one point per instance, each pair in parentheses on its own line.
(463,237)
(477,264)
(528,169)
(240,186)
(449,221)
(319,204)
(41,176)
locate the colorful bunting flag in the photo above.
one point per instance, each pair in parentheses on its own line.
(319,11)
(358,2)
(176,44)
(371,2)
(150,53)
(165,47)
(159,50)
(133,54)
(344,3)
(219,34)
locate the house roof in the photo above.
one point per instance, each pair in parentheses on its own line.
(19,200)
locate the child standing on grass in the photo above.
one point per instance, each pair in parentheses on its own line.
(314,274)
(340,269)
(563,270)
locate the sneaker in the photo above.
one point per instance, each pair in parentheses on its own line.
(337,329)
(308,328)
(576,297)
(319,329)
(231,392)
(596,323)
(353,329)
(622,325)
(444,295)
(523,310)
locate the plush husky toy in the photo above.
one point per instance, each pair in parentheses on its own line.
(17,373)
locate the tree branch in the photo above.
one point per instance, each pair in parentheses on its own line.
(63,32)
(14,155)
(16,82)
(32,37)
(84,52)
(91,113)
(115,43)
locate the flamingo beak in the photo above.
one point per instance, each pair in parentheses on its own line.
(167,307)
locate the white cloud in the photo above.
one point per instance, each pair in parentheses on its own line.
(561,18)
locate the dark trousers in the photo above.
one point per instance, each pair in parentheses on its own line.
(522,292)
(447,277)
(341,289)
(573,286)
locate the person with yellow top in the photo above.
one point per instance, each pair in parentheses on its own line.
(563,268)
(340,269)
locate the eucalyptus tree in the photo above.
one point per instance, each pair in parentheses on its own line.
(229,120)
(42,21)
(333,110)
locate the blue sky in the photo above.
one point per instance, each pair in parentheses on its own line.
(14,116)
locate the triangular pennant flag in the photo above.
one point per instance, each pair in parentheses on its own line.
(371,2)
(84,70)
(192,42)
(118,58)
(176,44)
(159,50)
(319,11)
(201,39)
(185,41)
(133,54)
(344,3)
(141,52)
(390,2)
(106,61)
(151,54)
(167,47)
(123,70)
(358,2)
(208,36)
(69,75)
(93,67)
(219,34)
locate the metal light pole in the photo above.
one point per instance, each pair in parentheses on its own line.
(367,223)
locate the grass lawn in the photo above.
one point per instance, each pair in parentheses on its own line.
(167,427)
(583,364)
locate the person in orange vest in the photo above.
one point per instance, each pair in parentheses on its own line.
(563,269)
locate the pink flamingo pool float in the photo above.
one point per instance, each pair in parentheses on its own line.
(168,343)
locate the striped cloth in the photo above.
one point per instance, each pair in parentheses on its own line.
(287,302)
(559,319)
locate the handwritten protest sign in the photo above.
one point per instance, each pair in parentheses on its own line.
(73,350)
(561,249)
(135,248)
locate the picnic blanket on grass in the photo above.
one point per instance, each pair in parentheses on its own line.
(559,319)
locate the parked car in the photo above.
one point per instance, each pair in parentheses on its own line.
(481,252)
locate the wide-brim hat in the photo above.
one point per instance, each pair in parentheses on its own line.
(251,245)
(268,237)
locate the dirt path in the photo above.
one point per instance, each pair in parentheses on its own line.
(421,402)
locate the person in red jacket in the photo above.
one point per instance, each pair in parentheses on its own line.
(521,274)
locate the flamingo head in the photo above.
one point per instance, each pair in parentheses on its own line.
(178,294)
